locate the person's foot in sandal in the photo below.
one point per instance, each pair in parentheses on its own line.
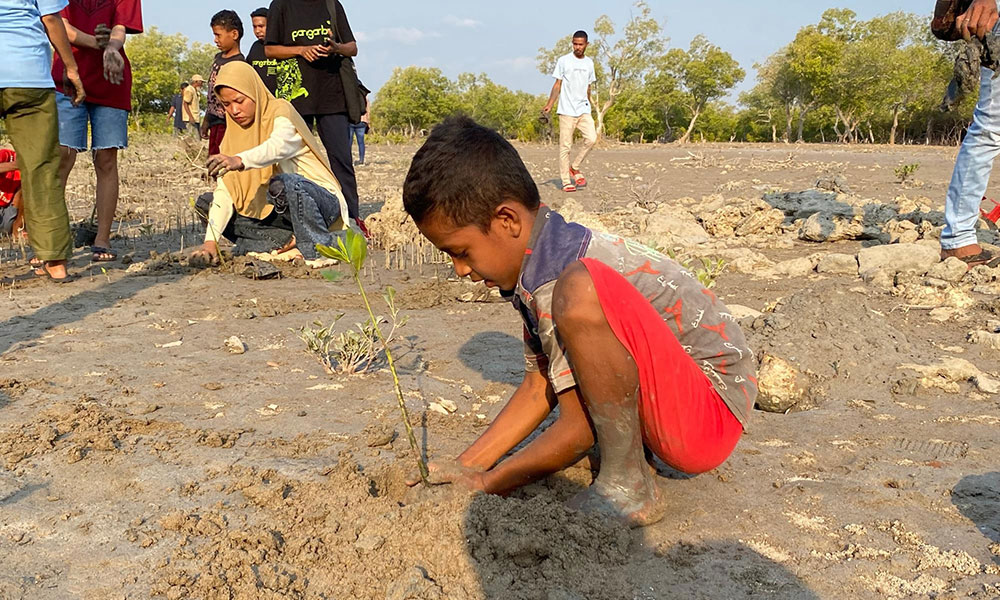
(578,177)
(972,255)
(55,271)
(102,254)
(569,187)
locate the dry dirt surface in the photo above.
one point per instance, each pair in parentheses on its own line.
(140,457)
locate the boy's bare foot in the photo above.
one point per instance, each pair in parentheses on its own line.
(638,505)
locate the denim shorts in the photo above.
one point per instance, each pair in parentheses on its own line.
(108,126)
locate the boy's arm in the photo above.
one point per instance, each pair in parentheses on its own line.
(7,167)
(556,448)
(114,64)
(56,32)
(553,95)
(78,38)
(527,408)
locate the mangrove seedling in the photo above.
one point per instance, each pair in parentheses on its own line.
(352,249)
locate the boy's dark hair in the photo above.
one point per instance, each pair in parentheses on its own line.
(580,34)
(260,12)
(184,85)
(230,20)
(463,172)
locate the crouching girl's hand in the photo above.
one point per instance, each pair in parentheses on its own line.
(205,256)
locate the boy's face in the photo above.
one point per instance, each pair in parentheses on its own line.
(259,27)
(225,39)
(493,256)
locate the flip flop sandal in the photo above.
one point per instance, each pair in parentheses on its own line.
(101,254)
(983,258)
(569,187)
(577,176)
(43,273)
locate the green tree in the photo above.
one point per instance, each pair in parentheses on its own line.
(160,63)
(414,98)
(513,114)
(621,61)
(703,73)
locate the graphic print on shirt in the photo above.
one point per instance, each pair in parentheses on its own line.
(290,81)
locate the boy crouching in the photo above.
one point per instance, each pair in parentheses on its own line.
(634,351)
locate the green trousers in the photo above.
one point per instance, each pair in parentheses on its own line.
(32,123)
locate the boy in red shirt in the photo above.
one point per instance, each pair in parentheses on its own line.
(11,199)
(97,30)
(634,351)
(227,30)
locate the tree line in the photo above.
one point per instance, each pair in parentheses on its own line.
(841,79)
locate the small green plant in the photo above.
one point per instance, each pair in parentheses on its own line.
(707,273)
(353,253)
(905,172)
(351,351)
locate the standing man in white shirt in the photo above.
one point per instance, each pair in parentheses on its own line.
(574,74)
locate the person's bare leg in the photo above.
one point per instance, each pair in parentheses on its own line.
(609,384)
(67,158)
(106,165)
(17,227)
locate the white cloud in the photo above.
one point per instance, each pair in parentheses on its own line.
(401,35)
(516,63)
(462,22)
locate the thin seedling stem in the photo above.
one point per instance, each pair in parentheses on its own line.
(395,381)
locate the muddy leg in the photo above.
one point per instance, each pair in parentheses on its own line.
(609,384)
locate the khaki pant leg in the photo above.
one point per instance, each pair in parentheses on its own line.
(567,126)
(589,130)
(33,126)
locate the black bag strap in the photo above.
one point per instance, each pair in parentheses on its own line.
(331,7)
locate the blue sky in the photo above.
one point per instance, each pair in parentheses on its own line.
(502,39)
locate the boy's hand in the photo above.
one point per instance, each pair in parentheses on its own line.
(203,131)
(220,164)
(114,67)
(102,34)
(73,86)
(451,471)
(314,53)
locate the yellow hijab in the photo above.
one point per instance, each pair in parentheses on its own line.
(248,188)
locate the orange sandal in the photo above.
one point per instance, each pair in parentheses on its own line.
(578,177)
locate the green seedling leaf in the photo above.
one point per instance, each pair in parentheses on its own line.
(334,253)
(357,248)
(390,296)
(332,276)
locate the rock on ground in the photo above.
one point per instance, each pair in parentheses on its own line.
(951,269)
(838,264)
(781,385)
(899,258)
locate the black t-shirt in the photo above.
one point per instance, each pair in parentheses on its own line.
(266,67)
(216,113)
(313,88)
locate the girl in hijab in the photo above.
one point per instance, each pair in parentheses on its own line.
(275,191)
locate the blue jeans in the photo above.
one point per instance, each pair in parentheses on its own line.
(108,126)
(972,167)
(358,131)
(311,208)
